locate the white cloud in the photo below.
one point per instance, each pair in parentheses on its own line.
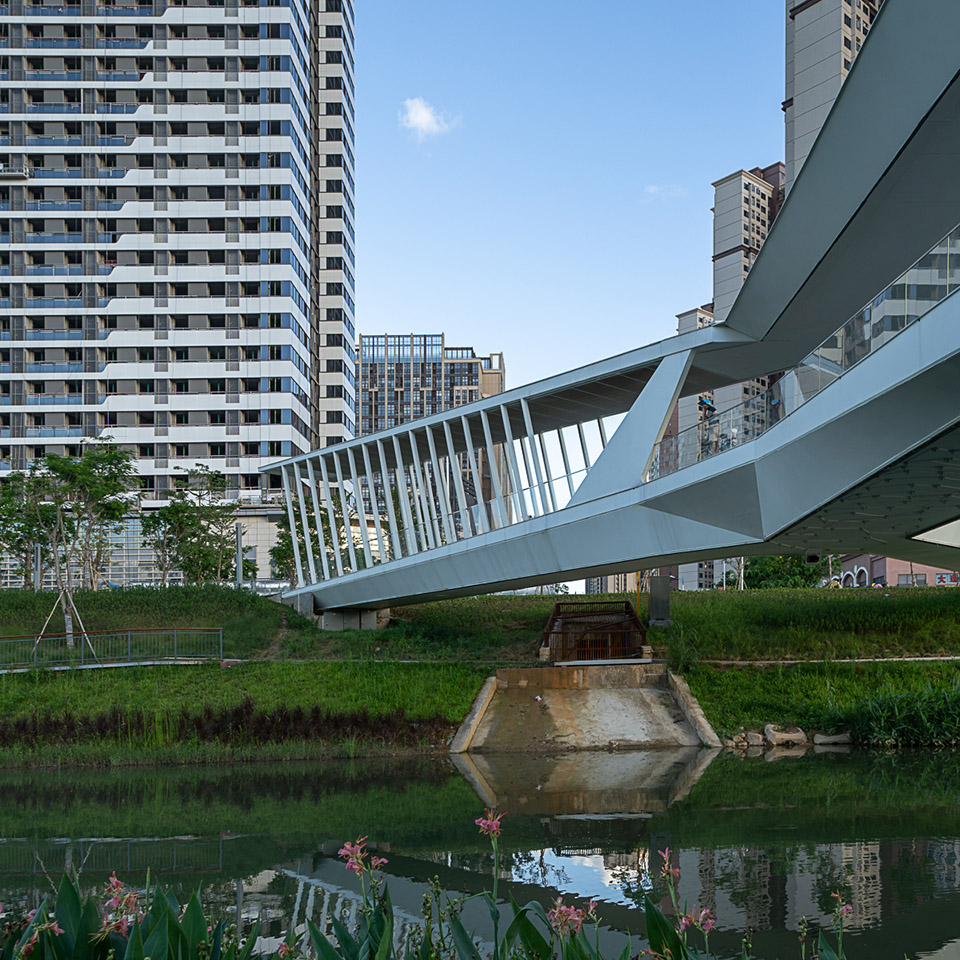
(664,191)
(423,119)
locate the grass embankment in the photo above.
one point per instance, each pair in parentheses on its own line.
(904,703)
(813,624)
(254,710)
(251,624)
(731,625)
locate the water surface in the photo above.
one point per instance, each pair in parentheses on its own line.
(760,843)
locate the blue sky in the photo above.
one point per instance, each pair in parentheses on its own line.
(534,177)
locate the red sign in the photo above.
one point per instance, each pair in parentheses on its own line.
(947,579)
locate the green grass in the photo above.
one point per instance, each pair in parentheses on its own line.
(421,690)
(250,623)
(814,624)
(256,710)
(747,625)
(813,696)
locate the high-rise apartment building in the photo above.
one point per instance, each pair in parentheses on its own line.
(176,188)
(407,376)
(822,39)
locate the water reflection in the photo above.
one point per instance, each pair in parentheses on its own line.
(761,844)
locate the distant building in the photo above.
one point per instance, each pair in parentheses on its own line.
(865,570)
(407,376)
(823,38)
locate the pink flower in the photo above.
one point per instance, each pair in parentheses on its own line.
(354,854)
(490,824)
(565,920)
(686,921)
(707,925)
(846,910)
(592,908)
(377,862)
(283,950)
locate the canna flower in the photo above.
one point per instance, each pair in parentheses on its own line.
(354,854)
(565,920)
(377,863)
(592,908)
(686,921)
(490,824)
(283,950)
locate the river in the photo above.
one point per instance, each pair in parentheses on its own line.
(760,843)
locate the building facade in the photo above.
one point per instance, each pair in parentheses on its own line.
(407,376)
(176,181)
(823,38)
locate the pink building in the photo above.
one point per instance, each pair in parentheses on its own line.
(865,569)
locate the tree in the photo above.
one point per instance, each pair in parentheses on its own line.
(762,572)
(195,531)
(76,503)
(21,533)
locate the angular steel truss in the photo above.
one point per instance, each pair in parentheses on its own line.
(579,475)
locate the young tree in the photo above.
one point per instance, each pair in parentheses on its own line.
(21,533)
(195,531)
(76,502)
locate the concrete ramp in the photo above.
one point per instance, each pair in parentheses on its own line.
(602,706)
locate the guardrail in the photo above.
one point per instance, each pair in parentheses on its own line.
(175,645)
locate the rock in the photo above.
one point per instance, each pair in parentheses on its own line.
(834,748)
(729,744)
(825,739)
(754,752)
(783,738)
(754,739)
(791,752)
(740,740)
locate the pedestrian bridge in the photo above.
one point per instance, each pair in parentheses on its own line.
(850,310)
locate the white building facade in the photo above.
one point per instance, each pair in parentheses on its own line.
(176,206)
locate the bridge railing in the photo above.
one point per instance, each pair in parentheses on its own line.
(438,481)
(916,291)
(109,647)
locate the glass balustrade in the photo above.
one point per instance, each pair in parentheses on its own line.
(916,291)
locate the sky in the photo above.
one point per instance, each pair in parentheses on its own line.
(535,178)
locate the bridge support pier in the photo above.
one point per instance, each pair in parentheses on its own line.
(349,619)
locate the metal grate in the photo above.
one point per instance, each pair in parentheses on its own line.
(594,630)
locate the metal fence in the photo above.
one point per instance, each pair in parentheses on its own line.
(113,646)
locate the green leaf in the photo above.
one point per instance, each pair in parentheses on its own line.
(626,953)
(533,941)
(194,925)
(386,935)
(348,946)
(157,944)
(661,934)
(466,948)
(217,946)
(824,949)
(134,949)
(325,949)
(251,940)
(69,912)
